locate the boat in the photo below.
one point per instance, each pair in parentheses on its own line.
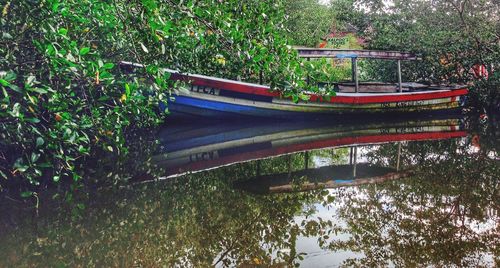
(211,96)
(221,98)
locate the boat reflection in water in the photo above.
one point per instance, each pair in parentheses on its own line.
(197,146)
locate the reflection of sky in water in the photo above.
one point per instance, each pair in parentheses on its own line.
(316,256)
(343,158)
(320,257)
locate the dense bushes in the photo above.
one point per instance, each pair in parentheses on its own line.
(63,97)
(451,37)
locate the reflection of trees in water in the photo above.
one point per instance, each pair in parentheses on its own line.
(445,214)
(197,220)
(299,161)
(200,220)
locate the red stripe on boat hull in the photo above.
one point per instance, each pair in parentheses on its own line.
(231,86)
(393,98)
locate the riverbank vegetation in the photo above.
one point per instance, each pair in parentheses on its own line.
(64,98)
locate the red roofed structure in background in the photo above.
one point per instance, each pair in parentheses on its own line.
(345,39)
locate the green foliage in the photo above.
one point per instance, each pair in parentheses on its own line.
(63,98)
(325,70)
(451,37)
(62,92)
(308,21)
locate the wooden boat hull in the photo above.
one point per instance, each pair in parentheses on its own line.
(197,104)
(210,96)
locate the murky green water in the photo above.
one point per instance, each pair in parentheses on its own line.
(400,193)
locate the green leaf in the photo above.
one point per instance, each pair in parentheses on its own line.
(127,90)
(26,194)
(84,51)
(108,66)
(7,35)
(38,90)
(144,47)
(105,74)
(10,76)
(50,50)
(20,166)
(16,109)
(56,178)
(32,120)
(82,149)
(39,142)
(15,88)
(34,157)
(152,69)
(63,31)
(30,80)
(55,6)
(6,95)
(44,165)
(4,83)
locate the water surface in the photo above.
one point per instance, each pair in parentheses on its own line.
(399,192)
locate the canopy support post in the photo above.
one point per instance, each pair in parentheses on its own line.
(354,68)
(258,169)
(400,87)
(398,161)
(308,78)
(350,155)
(289,165)
(306,160)
(355,161)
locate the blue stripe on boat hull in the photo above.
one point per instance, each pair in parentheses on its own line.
(214,109)
(202,107)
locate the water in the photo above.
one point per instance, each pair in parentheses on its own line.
(403,192)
